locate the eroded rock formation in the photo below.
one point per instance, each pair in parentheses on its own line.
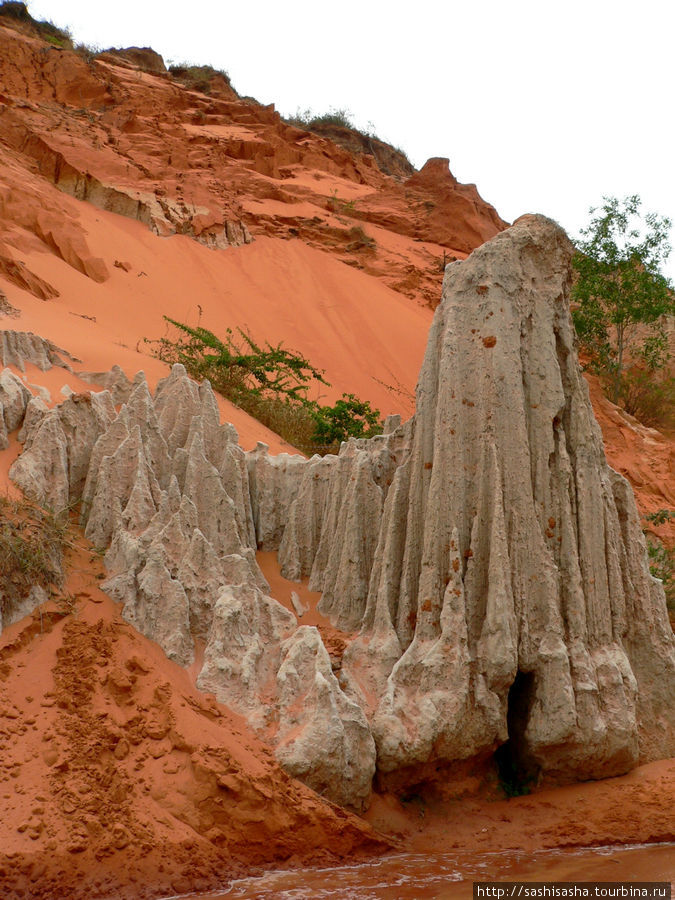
(19,347)
(164,491)
(184,154)
(14,398)
(490,560)
(509,594)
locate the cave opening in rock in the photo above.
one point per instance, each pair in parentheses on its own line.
(516,769)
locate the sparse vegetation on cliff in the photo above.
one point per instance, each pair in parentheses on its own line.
(272,384)
(18,12)
(31,549)
(198,78)
(305,118)
(330,124)
(623,302)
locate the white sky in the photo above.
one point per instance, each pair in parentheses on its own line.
(546,106)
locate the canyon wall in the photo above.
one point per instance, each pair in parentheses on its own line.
(485,564)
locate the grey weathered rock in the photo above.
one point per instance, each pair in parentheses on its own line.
(36,410)
(323,737)
(337,503)
(57,446)
(350,526)
(254,652)
(114,381)
(165,491)
(168,621)
(19,347)
(304,519)
(510,573)
(243,651)
(42,469)
(14,608)
(14,398)
(274,484)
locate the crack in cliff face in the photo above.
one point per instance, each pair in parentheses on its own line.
(490,560)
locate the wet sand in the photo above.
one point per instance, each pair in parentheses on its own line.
(451,876)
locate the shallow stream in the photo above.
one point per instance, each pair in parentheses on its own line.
(416,876)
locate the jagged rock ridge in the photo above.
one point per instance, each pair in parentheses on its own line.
(492,561)
(164,490)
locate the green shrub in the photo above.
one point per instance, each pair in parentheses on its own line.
(270,383)
(238,366)
(622,302)
(350,417)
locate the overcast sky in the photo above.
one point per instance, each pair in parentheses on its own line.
(544,106)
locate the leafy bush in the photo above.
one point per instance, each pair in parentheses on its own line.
(622,302)
(272,384)
(350,417)
(237,369)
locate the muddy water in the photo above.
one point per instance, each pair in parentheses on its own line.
(451,875)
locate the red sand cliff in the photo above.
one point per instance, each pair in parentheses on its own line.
(116,185)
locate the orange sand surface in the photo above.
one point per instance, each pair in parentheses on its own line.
(634,808)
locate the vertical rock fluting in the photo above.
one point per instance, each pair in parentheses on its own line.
(164,490)
(57,446)
(14,398)
(491,561)
(510,566)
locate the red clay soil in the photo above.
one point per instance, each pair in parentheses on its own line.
(119,779)
(631,809)
(642,455)
(142,145)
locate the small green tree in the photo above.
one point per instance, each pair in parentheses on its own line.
(350,417)
(622,298)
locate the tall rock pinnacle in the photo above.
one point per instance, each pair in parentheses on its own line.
(510,594)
